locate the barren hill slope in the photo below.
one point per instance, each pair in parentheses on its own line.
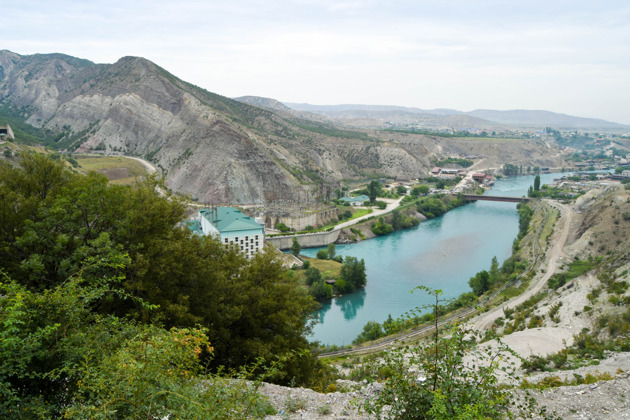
(216,149)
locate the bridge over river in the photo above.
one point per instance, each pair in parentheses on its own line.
(475,197)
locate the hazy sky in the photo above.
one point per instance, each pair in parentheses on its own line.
(571,56)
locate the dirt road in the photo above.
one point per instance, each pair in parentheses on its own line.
(553,258)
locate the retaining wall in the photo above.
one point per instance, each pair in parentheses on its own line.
(307,240)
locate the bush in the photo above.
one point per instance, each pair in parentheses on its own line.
(382,228)
(320,291)
(447,387)
(372,330)
(322,254)
(313,275)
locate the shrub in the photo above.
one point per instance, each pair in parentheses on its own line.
(372,330)
(448,387)
(324,410)
(382,228)
(282,227)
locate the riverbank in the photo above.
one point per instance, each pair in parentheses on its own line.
(440,253)
(421,209)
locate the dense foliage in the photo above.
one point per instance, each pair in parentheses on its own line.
(397,221)
(380,227)
(53,220)
(457,161)
(437,205)
(59,358)
(432,380)
(352,276)
(525,214)
(510,169)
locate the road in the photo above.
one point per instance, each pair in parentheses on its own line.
(485,320)
(151,169)
(554,256)
(391,205)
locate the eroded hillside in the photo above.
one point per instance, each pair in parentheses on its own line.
(213,148)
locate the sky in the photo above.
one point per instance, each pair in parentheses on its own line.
(571,57)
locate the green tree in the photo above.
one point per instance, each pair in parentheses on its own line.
(420,190)
(537,183)
(321,291)
(398,219)
(322,254)
(374,189)
(382,228)
(494,271)
(295,247)
(331,250)
(372,330)
(480,283)
(353,272)
(510,169)
(58,358)
(313,275)
(431,207)
(401,189)
(51,220)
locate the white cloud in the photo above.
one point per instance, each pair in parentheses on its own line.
(558,55)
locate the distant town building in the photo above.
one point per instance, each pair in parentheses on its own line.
(231,226)
(6,132)
(625,172)
(449,171)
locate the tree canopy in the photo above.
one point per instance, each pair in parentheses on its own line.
(53,220)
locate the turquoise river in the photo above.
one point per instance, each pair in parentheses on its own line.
(441,253)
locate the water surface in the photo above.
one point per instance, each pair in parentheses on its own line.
(441,253)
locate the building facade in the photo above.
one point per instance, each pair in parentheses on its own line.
(231,226)
(6,132)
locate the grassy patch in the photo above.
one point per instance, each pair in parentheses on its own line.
(330,269)
(575,269)
(360,213)
(119,170)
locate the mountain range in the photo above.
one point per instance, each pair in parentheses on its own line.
(480,118)
(221,150)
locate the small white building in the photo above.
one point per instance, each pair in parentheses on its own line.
(231,226)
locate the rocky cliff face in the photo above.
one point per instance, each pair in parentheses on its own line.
(213,148)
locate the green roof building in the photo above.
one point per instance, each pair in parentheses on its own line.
(355,201)
(231,226)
